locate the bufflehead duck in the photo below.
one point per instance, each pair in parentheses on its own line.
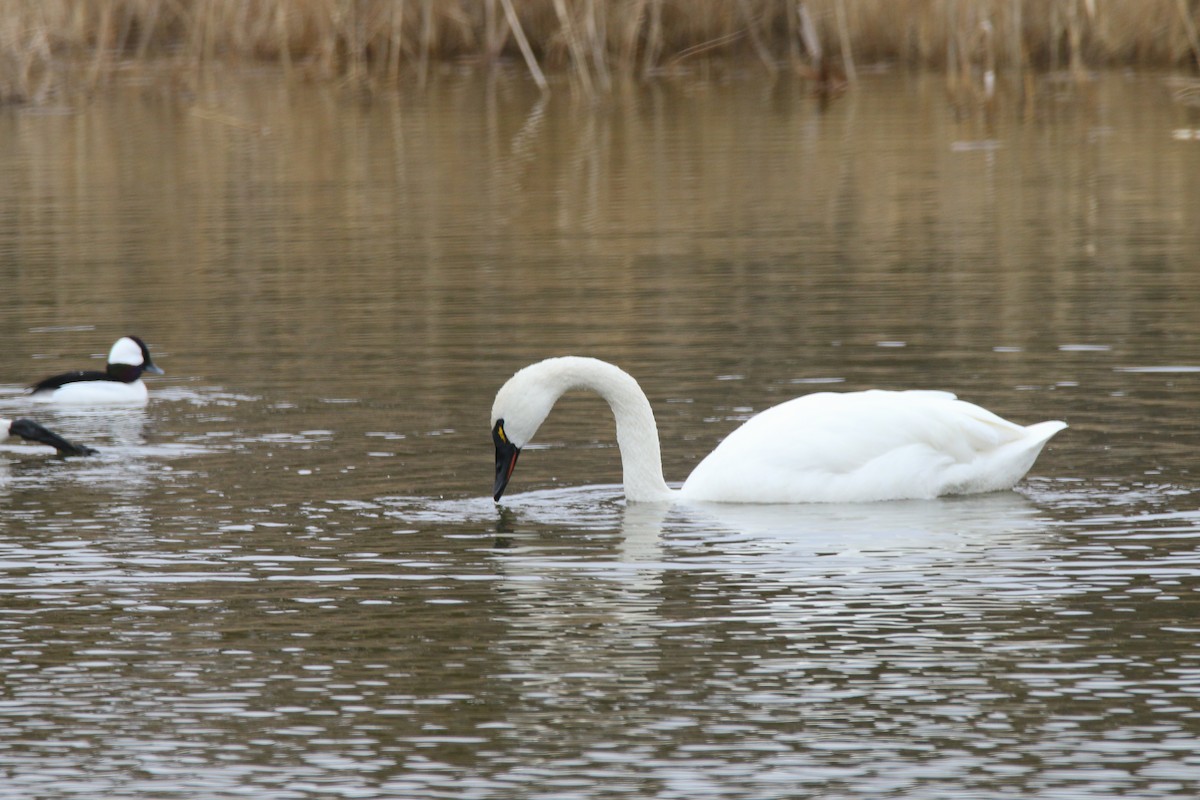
(28,429)
(120,384)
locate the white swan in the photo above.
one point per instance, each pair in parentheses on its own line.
(825,447)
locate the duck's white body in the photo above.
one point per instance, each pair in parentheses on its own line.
(96,393)
(120,384)
(826,447)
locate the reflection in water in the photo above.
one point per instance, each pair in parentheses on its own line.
(120,428)
(807,625)
(284,576)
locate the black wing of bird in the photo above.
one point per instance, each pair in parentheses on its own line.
(56,381)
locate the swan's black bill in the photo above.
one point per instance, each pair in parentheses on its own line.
(506,459)
(30,430)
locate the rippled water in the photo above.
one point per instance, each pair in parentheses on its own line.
(284,578)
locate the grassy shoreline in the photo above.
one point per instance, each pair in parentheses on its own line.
(592,40)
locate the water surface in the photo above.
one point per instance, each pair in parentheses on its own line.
(284,578)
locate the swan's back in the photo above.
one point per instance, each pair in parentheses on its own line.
(866,446)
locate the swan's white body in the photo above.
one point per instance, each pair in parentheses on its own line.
(825,447)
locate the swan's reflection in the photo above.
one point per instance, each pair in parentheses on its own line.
(674,535)
(566,549)
(996,548)
(955,524)
(711,606)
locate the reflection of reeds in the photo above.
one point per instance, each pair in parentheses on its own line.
(587,39)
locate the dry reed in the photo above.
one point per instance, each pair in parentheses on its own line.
(43,41)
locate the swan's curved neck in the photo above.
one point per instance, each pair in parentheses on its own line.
(637,433)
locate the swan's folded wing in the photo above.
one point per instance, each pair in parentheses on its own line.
(863,446)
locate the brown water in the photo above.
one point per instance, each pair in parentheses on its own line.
(285,578)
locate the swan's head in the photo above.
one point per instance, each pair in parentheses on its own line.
(521,406)
(506,458)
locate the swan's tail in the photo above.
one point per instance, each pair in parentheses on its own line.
(1042,431)
(1007,464)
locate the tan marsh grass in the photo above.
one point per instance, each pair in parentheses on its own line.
(42,42)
